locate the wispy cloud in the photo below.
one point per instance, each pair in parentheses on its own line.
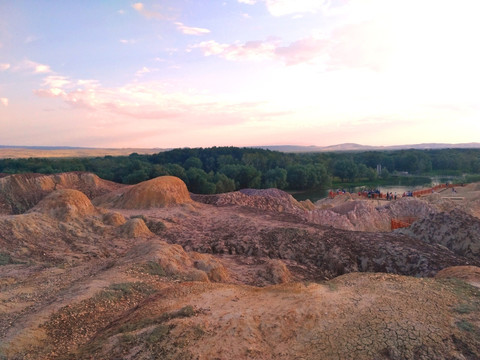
(302,51)
(149,14)
(252,50)
(4,67)
(127,41)
(56,81)
(144,70)
(32,66)
(4,101)
(363,45)
(288,7)
(188,30)
(147,101)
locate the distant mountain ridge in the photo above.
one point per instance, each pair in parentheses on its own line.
(359,147)
(10,151)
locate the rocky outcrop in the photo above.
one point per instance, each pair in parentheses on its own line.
(265,200)
(456,230)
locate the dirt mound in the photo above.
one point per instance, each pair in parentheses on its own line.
(114,219)
(65,205)
(21,192)
(214,269)
(409,207)
(328,203)
(159,192)
(470,274)
(345,213)
(276,272)
(456,230)
(173,261)
(265,200)
(307,204)
(135,228)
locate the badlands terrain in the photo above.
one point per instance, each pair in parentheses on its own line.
(91,269)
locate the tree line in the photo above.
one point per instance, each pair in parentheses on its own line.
(223,169)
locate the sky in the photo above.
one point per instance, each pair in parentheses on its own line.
(201,73)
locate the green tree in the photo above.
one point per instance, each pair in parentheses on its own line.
(276,178)
(198,181)
(223,183)
(193,161)
(297,177)
(176,170)
(136,177)
(345,169)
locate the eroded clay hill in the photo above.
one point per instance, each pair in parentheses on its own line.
(145,272)
(19,193)
(159,192)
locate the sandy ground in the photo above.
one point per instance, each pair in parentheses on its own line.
(251,281)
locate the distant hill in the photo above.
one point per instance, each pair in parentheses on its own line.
(358,147)
(17,152)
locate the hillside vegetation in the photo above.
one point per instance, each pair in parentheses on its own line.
(224,169)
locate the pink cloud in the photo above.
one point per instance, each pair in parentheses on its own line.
(56,81)
(288,7)
(4,101)
(149,101)
(303,50)
(34,67)
(188,30)
(4,67)
(363,45)
(366,45)
(252,50)
(149,14)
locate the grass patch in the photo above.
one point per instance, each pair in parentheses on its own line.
(184,312)
(154,268)
(461,288)
(127,340)
(5,259)
(159,333)
(332,286)
(465,308)
(465,325)
(123,290)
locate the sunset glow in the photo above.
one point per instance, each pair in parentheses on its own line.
(239,72)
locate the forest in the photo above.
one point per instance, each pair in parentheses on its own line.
(223,169)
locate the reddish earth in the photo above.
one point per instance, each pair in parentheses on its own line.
(95,270)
